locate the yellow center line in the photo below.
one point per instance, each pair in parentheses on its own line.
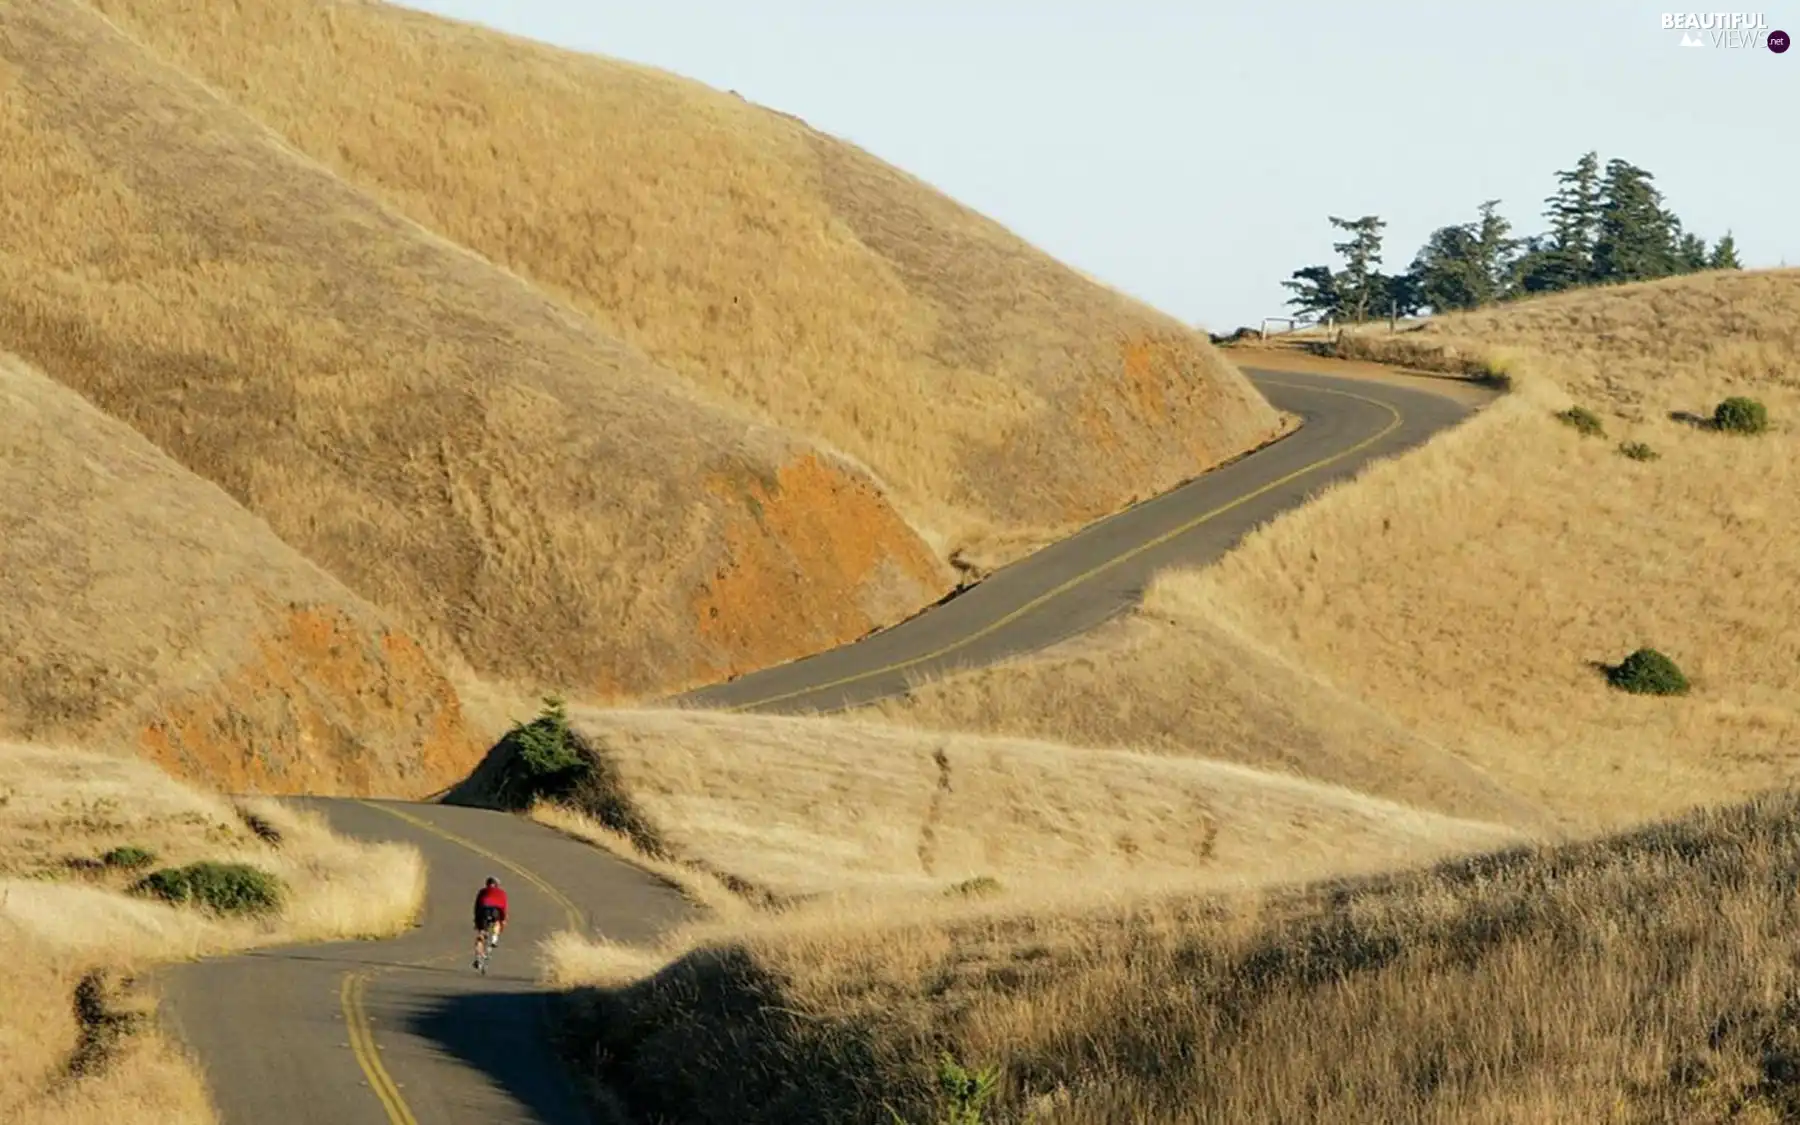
(350,994)
(575,917)
(1394,423)
(362,1045)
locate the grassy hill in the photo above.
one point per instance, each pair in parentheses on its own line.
(818,806)
(527,494)
(1468,592)
(1429,637)
(1645,977)
(146,610)
(1000,395)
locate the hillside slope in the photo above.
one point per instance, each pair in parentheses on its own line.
(1470,590)
(1645,977)
(524,491)
(807,806)
(143,608)
(1000,394)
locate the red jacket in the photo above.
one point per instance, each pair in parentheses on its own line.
(494,897)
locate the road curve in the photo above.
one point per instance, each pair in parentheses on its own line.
(1101,571)
(404,1032)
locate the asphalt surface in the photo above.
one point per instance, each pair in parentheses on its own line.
(405,1032)
(1100,572)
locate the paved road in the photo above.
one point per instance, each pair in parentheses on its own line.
(1078,583)
(403,1032)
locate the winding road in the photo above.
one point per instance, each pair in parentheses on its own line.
(404,1032)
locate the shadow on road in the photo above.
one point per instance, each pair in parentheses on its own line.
(505,1036)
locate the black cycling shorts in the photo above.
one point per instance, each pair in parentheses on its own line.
(486,916)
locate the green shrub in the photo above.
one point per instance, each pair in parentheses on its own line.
(1739,415)
(542,758)
(1585,421)
(129,856)
(962,1093)
(1638,451)
(1648,672)
(228,888)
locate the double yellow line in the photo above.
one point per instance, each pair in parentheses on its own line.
(1090,574)
(350,994)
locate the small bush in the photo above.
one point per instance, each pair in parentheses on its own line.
(227,888)
(1585,421)
(543,758)
(1638,451)
(1738,415)
(981,886)
(129,857)
(962,1093)
(1648,672)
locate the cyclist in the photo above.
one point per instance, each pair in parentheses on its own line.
(490,914)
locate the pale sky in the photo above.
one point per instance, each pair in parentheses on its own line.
(1189,153)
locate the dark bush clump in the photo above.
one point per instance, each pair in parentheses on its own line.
(129,856)
(227,888)
(1638,451)
(1585,421)
(981,886)
(1738,415)
(543,758)
(1648,672)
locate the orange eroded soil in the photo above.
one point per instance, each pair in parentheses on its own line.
(816,534)
(323,707)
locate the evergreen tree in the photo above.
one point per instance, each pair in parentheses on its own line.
(1316,293)
(1444,269)
(1567,257)
(1468,265)
(1635,241)
(1358,282)
(1692,253)
(1495,249)
(1724,255)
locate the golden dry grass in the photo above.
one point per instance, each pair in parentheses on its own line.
(1427,632)
(451,443)
(804,807)
(1002,395)
(1645,978)
(1463,593)
(143,606)
(66,919)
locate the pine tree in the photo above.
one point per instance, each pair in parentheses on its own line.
(1316,292)
(1635,242)
(1358,283)
(1494,251)
(1567,258)
(1467,265)
(1724,255)
(1444,269)
(1692,253)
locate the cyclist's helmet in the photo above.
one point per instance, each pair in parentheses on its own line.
(492,882)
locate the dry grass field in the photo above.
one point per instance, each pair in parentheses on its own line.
(78,1044)
(1645,978)
(143,607)
(1002,396)
(805,807)
(524,491)
(1466,592)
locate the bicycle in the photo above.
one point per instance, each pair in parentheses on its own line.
(489,938)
